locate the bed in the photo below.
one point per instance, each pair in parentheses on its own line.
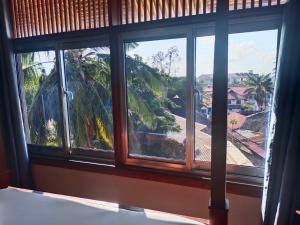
(25,207)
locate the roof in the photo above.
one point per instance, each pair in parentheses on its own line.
(239,118)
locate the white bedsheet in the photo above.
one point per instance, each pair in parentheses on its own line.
(21,208)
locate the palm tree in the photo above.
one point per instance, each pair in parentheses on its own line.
(261,85)
(90,110)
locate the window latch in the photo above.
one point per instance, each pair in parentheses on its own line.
(69,95)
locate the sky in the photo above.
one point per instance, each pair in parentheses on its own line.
(247,51)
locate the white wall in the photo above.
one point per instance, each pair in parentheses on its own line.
(142,193)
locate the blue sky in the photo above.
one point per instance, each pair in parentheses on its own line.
(247,51)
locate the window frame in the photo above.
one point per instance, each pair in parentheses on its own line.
(237,24)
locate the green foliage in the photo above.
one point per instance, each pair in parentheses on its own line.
(261,86)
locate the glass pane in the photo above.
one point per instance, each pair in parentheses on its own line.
(203,101)
(156,89)
(251,78)
(88,81)
(40,98)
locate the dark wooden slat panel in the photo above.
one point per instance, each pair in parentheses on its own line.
(56,16)
(52,17)
(104,13)
(17,19)
(170,8)
(157,9)
(190,7)
(31,11)
(48,16)
(244,4)
(260,3)
(204,6)
(176,8)
(211,6)
(197,6)
(151,10)
(23,20)
(235,4)
(61,22)
(252,4)
(139,10)
(89,15)
(126,9)
(145,10)
(94,14)
(163,10)
(75,14)
(183,7)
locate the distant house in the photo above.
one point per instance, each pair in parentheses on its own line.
(239,99)
(233,79)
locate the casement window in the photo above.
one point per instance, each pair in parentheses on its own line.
(39,80)
(66,100)
(163,77)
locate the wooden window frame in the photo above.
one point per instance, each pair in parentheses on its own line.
(191,28)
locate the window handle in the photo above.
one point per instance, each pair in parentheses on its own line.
(69,94)
(197,92)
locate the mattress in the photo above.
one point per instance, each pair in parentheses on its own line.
(28,208)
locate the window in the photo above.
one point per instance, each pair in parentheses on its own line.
(165,83)
(40,98)
(203,99)
(88,88)
(252,58)
(156,98)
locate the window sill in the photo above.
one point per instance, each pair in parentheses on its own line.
(157,175)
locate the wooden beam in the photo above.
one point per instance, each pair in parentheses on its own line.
(218,205)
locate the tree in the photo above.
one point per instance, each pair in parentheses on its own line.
(232,122)
(172,56)
(164,61)
(261,86)
(90,109)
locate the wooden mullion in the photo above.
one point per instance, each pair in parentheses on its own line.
(52,16)
(94,13)
(56,16)
(163,9)
(235,4)
(218,213)
(145,10)
(18,24)
(28,11)
(70,14)
(126,11)
(157,9)
(197,7)
(89,12)
(61,16)
(139,10)
(44,17)
(32,22)
(75,14)
(104,12)
(151,10)
(24,18)
(170,8)
(244,4)
(48,16)
(84,14)
(66,16)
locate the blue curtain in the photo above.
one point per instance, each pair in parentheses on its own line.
(282,179)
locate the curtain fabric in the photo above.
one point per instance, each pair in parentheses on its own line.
(282,184)
(16,145)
